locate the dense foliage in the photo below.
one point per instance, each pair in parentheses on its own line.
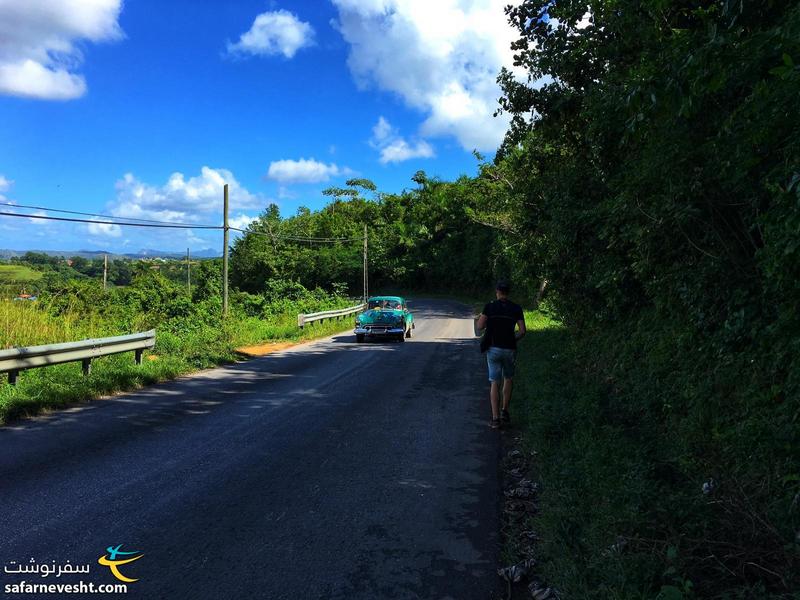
(422,239)
(655,169)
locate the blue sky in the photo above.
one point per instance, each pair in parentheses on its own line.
(144,109)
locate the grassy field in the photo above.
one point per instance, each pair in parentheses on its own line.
(10,274)
(176,353)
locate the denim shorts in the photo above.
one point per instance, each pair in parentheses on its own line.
(501,363)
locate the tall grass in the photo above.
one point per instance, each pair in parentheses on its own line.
(23,323)
(190,335)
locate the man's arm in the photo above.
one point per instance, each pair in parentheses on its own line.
(522,331)
(482,320)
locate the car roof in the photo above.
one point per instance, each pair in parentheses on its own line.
(395,298)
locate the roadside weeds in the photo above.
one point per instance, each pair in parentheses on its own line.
(520,502)
(56,387)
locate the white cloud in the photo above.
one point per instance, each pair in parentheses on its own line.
(105,230)
(440,57)
(400,150)
(40,44)
(39,222)
(304,171)
(241,221)
(180,199)
(382,130)
(393,147)
(5,185)
(6,223)
(277,32)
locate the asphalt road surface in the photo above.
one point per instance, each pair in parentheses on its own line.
(330,470)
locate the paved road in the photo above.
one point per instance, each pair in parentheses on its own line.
(331,470)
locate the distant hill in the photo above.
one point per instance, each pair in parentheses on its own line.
(144,253)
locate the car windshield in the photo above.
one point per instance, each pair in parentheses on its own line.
(385,304)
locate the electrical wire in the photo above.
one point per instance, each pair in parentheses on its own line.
(321,240)
(74,212)
(49,218)
(163,224)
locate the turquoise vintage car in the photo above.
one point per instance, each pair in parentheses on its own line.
(386,317)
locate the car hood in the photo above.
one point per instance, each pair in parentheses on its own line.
(380,316)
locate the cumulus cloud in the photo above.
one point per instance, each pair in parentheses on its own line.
(393,148)
(276,32)
(400,150)
(104,230)
(241,221)
(440,57)
(40,44)
(181,199)
(304,171)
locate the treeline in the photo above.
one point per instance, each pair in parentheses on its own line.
(425,238)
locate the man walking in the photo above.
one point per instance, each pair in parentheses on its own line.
(501,319)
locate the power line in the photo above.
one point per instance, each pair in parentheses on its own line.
(163,224)
(73,212)
(321,240)
(49,218)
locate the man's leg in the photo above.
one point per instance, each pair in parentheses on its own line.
(508,385)
(494,397)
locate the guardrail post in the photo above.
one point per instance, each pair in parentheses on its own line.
(12,377)
(87,366)
(301,321)
(138,356)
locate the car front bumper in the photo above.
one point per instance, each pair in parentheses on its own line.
(379,330)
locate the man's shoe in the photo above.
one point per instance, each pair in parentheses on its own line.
(505,417)
(494,423)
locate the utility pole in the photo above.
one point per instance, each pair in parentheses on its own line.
(188,273)
(366,265)
(105,271)
(225,254)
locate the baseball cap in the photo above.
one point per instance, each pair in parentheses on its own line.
(503,286)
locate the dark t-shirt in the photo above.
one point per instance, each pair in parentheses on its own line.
(503,316)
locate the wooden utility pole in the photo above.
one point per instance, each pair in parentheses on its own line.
(188,273)
(225,254)
(366,265)
(105,271)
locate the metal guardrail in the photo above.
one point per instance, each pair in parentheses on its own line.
(18,359)
(328,314)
